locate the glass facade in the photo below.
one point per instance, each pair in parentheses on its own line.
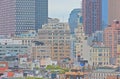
(41,13)
(104,14)
(25,15)
(73,19)
(31,14)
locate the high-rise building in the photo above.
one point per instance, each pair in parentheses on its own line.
(41,13)
(18,16)
(113,10)
(7,17)
(92,15)
(112,40)
(73,19)
(104,14)
(25,15)
(31,15)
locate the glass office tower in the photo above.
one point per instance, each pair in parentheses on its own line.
(25,15)
(73,19)
(41,13)
(104,14)
(31,14)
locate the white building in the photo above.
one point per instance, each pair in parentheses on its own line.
(81,46)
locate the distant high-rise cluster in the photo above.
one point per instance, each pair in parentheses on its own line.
(87,47)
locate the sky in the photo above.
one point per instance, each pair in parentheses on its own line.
(62,8)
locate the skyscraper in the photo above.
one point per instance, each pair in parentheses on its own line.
(73,19)
(7,17)
(41,13)
(31,14)
(92,15)
(113,10)
(18,16)
(25,15)
(104,14)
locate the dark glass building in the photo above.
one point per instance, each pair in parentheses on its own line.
(41,13)
(92,15)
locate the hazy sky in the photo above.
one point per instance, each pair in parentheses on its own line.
(62,8)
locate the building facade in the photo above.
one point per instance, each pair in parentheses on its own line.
(31,15)
(7,17)
(57,36)
(13,50)
(113,77)
(112,40)
(95,37)
(81,43)
(26,38)
(25,15)
(99,55)
(104,73)
(9,41)
(113,10)
(19,16)
(41,13)
(40,52)
(92,15)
